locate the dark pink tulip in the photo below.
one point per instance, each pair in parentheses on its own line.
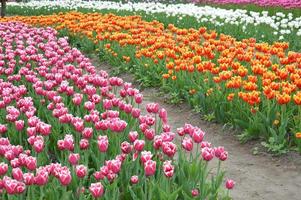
(187,144)
(31,163)
(138,98)
(139,145)
(44,129)
(38,145)
(73,158)
(157,142)
(134,179)
(107,104)
(168,169)
(114,165)
(87,133)
(230,184)
(136,112)
(126,147)
(17,174)
(198,135)
(3,168)
(102,125)
(28,178)
(103,143)
(65,177)
(41,178)
(96,190)
(195,192)
(169,149)
(205,144)
(19,125)
(163,115)
(81,171)
(150,167)
(207,153)
(143,127)
(149,134)
(166,128)
(84,144)
(133,135)
(98,175)
(145,156)
(3,129)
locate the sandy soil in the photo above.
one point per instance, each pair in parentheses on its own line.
(257,177)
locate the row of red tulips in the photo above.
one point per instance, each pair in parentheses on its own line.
(70,131)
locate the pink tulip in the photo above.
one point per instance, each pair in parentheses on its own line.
(126,147)
(145,156)
(169,149)
(17,174)
(134,179)
(198,135)
(195,192)
(73,158)
(96,190)
(84,144)
(139,145)
(187,144)
(28,178)
(87,133)
(133,135)
(230,184)
(81,171)
(207,153)
(138,98)
(168,169)
(3,168)
(150,167)
(19,125)
(163,115)
(103,143)
(3,129)
(65,177)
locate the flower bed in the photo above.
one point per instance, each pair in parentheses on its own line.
(239,23)
(70,131)
(254,86)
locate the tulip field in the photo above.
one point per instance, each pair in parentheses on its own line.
(70,130)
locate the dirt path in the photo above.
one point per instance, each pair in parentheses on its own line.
(257,176)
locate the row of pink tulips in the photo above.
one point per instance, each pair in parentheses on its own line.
(281,3)
(70,131)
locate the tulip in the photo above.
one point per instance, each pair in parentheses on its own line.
(145,156)
(126,147)
(195,192)
(96,190)
(65,177)
(139,145)
(198,136)
(187,144)
(103,143)
(207,153)
(230,184)
(150,167)
(81,171)
(3,168)
(169,149)
(134,179)
(168,169)
(73,158)
(19,125)
(133,135)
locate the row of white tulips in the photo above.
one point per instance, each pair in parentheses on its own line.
(282,24)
